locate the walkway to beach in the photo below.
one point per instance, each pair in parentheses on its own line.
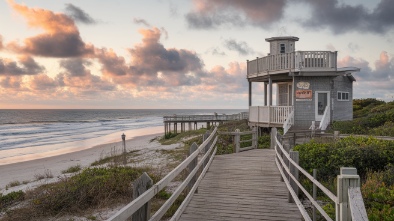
(242,186)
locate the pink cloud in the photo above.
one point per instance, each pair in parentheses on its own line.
(60,38)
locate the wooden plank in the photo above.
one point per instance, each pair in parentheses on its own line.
(140,185)
(242,186)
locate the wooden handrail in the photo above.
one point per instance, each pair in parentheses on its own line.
(348,182)
(133,206)
(325,119)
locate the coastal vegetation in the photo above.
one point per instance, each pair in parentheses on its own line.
(371,117)
(373,158)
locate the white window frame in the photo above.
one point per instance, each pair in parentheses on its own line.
(343,92)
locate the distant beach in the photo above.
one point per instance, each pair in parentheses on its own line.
(76,137)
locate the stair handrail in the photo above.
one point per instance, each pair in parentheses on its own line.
(325,119)
(288,122)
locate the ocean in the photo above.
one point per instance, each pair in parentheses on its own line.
(25,132)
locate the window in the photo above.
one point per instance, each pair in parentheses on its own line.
(282,48)
(343,96)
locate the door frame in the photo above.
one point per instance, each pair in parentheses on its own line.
(319,117)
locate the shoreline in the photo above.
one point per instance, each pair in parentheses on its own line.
(17,155)
(28,169)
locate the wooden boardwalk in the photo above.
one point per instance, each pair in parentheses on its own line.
(242,186)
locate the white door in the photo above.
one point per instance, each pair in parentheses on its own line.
(322,99)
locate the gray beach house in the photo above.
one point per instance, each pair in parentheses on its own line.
(310,87)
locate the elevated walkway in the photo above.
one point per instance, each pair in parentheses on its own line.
(242,186)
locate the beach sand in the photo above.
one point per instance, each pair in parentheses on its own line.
(28,170)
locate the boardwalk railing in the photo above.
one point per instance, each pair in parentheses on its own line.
(238,139)
(349,202)
(214,117)
(209,150)
(269,114)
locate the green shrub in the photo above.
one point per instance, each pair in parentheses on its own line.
(264,141)
(378,195)
(9,199)
(359,152)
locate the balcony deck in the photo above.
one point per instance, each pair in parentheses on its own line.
(305,61)
(269,116)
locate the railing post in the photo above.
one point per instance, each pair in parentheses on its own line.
(294,155)
(237,140)
(347,178)
(336,135)
(274,131)
(254,138)
(140,185)
(191,167)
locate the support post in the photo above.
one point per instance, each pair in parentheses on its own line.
(294,155)
(191,167)
(347,178)
(143,183)
(250,93)
(265,93)
(270,91)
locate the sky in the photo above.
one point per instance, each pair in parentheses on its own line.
(178,54)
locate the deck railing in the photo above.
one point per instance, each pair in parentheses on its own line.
(348,202)
(269,114)
(209,150)
(295,61)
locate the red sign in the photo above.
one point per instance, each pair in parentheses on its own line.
(304,94)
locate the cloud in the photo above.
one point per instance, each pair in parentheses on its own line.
(227,80)
(241,47)
(342,18)
(26,66)
(353,47)
(377,82)
(152,64)
(79,15)
(214,13)
(1,42)
(75,66)
(141,21)
(10,82)
(60,38)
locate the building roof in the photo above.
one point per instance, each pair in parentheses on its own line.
(282,38)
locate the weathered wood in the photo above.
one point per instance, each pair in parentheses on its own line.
(192,165)
(140,185)
(348,178)
(294,171)
(242,186)
(314,195)
(357,207)
(318,207)
(133,206)
(163,209)
(300,169)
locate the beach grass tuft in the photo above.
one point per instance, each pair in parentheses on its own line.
(72,169)
(46,175)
